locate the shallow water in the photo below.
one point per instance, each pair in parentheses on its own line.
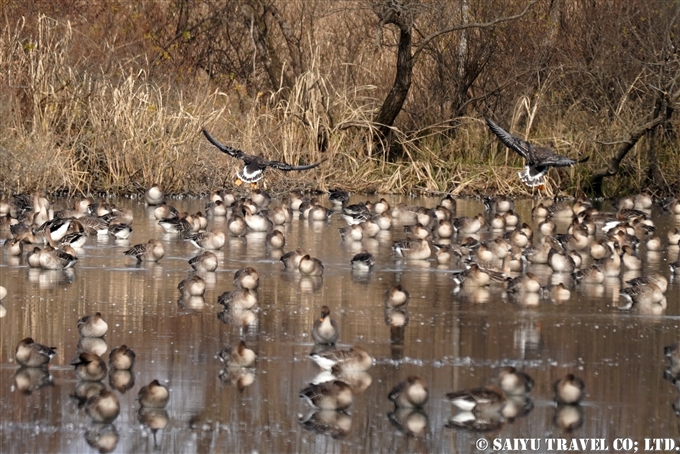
(454,340)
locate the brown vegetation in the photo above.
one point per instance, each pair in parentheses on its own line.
(108,96)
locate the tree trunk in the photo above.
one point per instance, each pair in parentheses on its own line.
(397,96)
(655,136)
(463,45)
(551,37)
(264,47)
(292,41)
(403,14)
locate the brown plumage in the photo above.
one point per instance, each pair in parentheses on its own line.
(152,251)
(89,367)
(153,395)
(538,160)
(247,278)
(31,354)
(239,356)
(410,393)
(103,407)
(396,296)
(325,330)
(569,390)
(514,382)
(355,359)
(122,358)
(489,399)
(205,261)
(92,325)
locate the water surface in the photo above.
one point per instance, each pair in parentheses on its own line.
(454,340)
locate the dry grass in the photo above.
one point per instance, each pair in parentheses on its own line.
(72,128)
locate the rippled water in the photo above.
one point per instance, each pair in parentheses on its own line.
(453,340)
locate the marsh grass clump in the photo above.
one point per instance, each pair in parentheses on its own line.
(74,120)
(80,131)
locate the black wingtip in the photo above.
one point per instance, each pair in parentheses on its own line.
(498,130)
(580,161)
(317,164)
(208,136)
(298,168)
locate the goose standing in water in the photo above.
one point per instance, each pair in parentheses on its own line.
(325,330)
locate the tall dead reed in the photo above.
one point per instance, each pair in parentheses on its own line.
(70,126)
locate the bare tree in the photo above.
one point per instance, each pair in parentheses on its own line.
(404,15)
(656,90)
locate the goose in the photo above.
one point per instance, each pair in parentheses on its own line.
(153,395)
(152,251)
(325,330)
(410,393)
(254,166)
(239,356)
(538,160)
(31,354)
(569,390)
(122,358)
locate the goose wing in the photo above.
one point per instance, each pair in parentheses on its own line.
(520,146)
(545,157)
(44,350)
(137,249)
(288,167)
(231,151)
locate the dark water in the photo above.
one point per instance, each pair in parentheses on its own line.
(453,340)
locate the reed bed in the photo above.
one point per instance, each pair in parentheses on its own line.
(73,128)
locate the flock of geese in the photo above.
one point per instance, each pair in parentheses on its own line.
(597,245)
(101,405)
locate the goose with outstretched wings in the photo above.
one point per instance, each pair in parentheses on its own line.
(254,166)
(538,160)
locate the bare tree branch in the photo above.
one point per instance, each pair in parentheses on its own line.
(292,42)
(612,167)
(422,44)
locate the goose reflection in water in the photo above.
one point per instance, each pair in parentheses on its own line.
(30,379)
(154,419)
(412,422)
(121,380)
(102,437)
(337,424)
(83,390)
(240,377)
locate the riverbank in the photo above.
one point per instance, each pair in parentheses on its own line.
(69,125)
